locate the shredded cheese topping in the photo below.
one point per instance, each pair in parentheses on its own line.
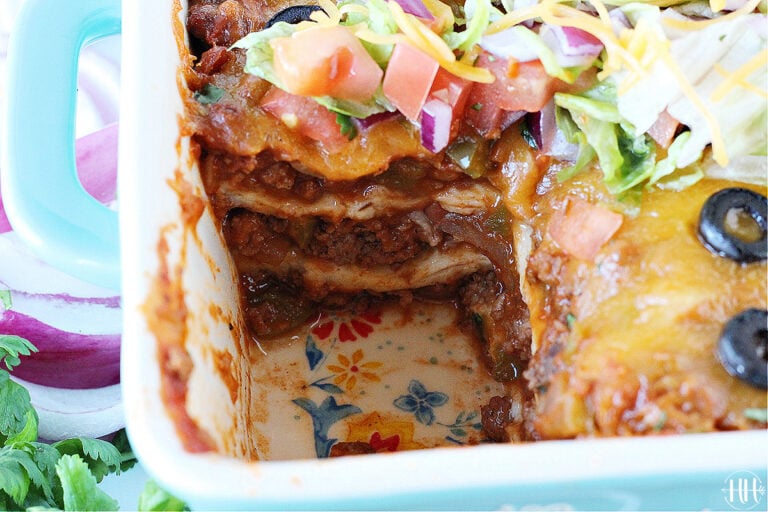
(738,77)
(699,24)
(421,37)
(631,54)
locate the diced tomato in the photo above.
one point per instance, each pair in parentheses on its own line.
(326,61)
(306,116)
(408,79)
(454,91)
(663,129)
(484,115)
(518,86)
(581,228)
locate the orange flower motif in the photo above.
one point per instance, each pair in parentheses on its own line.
(350,371)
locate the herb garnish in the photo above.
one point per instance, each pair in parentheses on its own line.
(63,475)
(346,125)
(209,94)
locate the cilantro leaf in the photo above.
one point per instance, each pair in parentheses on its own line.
(101,457)
(346,126)
(153,497)
(18,420)
(41,476)
(28,432)
(79,487)
(18,471)
(127,457)
(14,480)
(11,347)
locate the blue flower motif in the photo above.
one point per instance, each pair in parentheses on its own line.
(420,402)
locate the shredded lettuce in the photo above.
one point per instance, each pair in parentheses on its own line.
(260,62)
(378,18)
(259,57)
(747,169)
(710,60)
(478,13)
(357,109)
(667,166)
(625,158)
(573,135)
(536,44)
(705,75)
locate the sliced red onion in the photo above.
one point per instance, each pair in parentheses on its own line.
(76,326)
(64,359)
(510,117)
(571,46)
(436,119)
(508,44)
(619,21)
(67,413)
(372,120)
(575,41)
(416,7)
(96,155)
(550,139)
(5,225)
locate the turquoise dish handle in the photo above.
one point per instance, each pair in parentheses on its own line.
(45,203)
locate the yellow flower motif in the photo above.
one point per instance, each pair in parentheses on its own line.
(349,371)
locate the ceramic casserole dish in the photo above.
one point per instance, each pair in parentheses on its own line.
(220,422)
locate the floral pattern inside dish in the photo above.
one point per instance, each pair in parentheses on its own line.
(355,384)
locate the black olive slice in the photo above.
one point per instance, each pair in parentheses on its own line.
(733,224)
(743,347)
(293,14)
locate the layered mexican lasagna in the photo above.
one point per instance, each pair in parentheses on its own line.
(585,182)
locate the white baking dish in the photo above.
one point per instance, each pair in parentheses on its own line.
(681,472)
